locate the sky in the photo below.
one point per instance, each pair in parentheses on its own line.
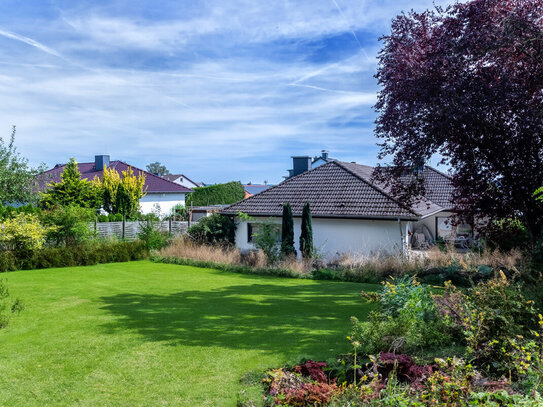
(218,90)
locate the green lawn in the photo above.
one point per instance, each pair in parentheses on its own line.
(146,334)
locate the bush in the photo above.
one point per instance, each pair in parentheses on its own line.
(214,229)
(151,236)
(22,235)
(506,235)
(406,319)
(69,225)
(267,239)
(85,254)
(499,325)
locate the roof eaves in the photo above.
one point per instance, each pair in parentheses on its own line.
(441,209)
(369,217)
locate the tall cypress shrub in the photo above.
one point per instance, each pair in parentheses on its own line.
(287,232)
(306,237)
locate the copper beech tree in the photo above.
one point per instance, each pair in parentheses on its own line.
(466,83)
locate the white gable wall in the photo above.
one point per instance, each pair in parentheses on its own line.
(166,202)
(185,182)
(331,237)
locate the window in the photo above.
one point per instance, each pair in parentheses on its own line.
(254,229)
(250,232)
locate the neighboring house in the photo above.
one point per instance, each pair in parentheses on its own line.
(160,193)
(351,213)
(183,180)
(303,163)
(253,189)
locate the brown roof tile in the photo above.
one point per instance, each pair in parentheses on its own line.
(340,189)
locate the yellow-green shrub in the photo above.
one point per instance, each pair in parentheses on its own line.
(22,233)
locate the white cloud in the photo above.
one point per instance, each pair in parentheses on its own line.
(230,107)
(29,41)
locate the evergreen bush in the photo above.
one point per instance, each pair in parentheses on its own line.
(287,232)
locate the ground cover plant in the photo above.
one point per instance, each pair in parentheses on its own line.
(145,333)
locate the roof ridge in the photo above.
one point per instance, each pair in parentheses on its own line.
(379,189)
(277,185)
(439,172)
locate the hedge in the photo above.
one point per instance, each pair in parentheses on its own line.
(82,255)
(218,194)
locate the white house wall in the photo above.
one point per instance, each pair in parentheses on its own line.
(332,237)
(166,202)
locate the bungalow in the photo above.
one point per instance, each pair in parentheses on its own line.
(351,213)
(160,193)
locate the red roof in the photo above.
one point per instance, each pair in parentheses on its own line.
(153,183)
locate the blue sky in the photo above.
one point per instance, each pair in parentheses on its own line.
(218,90)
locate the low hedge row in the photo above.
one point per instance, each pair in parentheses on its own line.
(82,255)
(231,268)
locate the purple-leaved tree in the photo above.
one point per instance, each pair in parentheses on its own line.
(466,82)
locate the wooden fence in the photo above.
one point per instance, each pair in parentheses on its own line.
(130,230)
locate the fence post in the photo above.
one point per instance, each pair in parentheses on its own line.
(170,226)
(95,224)
(124,225)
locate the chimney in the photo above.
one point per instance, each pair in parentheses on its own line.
(101,161)
(300,164)
(324,154)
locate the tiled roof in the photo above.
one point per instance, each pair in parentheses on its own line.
(439,187)
(171,177)
(153,183)
(335,189)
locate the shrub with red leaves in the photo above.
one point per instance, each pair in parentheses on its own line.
(404,367)
(311,394)
(313,369)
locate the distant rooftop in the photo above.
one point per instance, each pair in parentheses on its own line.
(153,183)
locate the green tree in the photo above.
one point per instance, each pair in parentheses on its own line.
(306,237)
(287,232)
(73,190)
(69,225)
(157,169)
(16,177)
